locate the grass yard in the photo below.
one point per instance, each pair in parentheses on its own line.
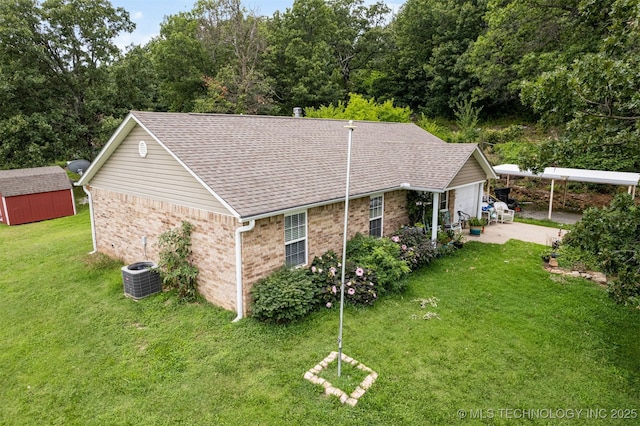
(507,336)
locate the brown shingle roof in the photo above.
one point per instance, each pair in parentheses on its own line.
(262,164)
(33,181)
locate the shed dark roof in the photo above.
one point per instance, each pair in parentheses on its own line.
(263,164)
(33,181)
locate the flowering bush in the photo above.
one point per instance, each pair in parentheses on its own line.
(360,283)
(416,247)
(381,256)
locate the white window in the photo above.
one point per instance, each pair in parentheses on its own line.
(295,239)
(375,216)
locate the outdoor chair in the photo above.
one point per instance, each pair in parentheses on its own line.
(447,223)
(504,212)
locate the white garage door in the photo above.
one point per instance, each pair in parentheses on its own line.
(466,200)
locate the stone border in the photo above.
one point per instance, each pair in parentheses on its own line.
(329,389)
(597,277)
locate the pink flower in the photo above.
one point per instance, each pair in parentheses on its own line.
(351,291)
(334,290)
(328,304)
(395,239)
(313,269)
(359,272)
(404,247)
(332,270)
(320,270)
(348,283)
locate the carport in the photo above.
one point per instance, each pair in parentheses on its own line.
(576,175)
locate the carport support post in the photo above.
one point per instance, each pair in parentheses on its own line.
(551,199)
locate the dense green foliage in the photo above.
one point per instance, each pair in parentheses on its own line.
(175,265)
(56,84)
(360,283)
(382,256)
(359,108)
(573,64)
(610,238)
(416,247)
(286,295)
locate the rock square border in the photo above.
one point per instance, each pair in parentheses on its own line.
(329,389)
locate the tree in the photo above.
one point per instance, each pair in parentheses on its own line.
(181,62)
(428,70)
(53,67)
(525,38)
(234,39)
(318,50)
(209,60)
(596,95)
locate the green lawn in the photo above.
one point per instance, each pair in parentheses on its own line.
(75,350)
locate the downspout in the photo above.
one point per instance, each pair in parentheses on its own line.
(93,224)
(239,295)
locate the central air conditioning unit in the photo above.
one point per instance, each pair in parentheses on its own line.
(141,280)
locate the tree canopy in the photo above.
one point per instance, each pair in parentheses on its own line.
(55,60)
(572,64)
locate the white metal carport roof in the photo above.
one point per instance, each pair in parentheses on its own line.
(575,175)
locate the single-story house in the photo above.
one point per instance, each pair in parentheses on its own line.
(35,194)
(266,191)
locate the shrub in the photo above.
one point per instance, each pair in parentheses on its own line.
(360,283)
(284,296)
(612,236)
(382,256)
(416,247)
(175,265)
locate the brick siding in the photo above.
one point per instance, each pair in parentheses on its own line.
(122,220)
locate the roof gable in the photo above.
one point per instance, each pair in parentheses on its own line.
(262,164)
(33,181)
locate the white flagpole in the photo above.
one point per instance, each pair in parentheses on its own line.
(344,244)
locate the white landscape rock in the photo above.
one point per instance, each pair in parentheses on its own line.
(329,389)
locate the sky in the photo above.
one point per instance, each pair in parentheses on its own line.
(148,14)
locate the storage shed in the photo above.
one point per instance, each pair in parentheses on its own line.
(35,194)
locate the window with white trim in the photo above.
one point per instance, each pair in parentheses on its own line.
(375,216)
(444,200)
(295,239)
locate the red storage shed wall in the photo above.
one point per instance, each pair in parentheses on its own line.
(36,207)
(32,195)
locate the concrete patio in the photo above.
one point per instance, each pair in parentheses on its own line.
(500,233)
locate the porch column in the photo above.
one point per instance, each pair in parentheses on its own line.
(434,216)
(478,212)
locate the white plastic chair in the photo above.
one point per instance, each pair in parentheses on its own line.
(504,212)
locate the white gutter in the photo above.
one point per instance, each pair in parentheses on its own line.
(239,295)
(93,224)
